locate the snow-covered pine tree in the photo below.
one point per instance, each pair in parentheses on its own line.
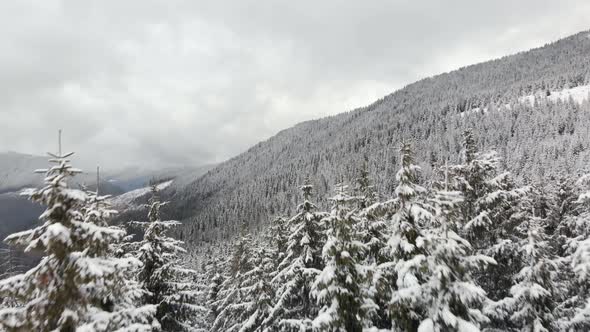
(579,245)
(407,246)
(374,229)
(226,318)
(76,286)
(294,310)
(338,288)
(371,229)
(371,225)
(241,259)
(561,227)
(213,296)
(278,238)
(531,304)
(453,299)
(232,297)
(490,201)
(162,276)
(487,194)
(129,293)
(364,191)
(259,293)
(563,215)
(214,277)
(185,292)
(581,266)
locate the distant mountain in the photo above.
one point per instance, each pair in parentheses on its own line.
(16,170)
(546,137)
(127,201)
(17,213)
(16,173)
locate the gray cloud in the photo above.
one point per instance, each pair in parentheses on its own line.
(162,83)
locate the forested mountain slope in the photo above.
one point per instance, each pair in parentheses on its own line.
(537,140)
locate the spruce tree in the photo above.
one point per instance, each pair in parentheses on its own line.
(259,293)
(232,297)
(162,275)
(581,267)
(453,299)
(294,309)
(562,218)
(489,214)
(215,279)
(371,228)
(487,193)
(278,238)
(579,245)
(407,246)
(531,304)
(241,259)
(97,211)
(370,225)
(77,285)
(338,288)
(213,296)
(183,298)
(364,191)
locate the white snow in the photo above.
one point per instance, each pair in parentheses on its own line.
(465,326)
(75,194)
(530,99)
(579,94)
(585,197)
(128,197)
(426,326)
(54,233)
(473,111)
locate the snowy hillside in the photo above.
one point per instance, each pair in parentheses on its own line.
(262,181)
(126,200)
(578,94)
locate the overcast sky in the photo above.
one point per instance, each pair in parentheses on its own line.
(159,83)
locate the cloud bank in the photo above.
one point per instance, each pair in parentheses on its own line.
(173,83)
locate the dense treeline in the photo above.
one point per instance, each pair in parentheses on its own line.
(470,251)
(467,250)
(539,141)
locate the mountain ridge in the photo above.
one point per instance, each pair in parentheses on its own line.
(262,181)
